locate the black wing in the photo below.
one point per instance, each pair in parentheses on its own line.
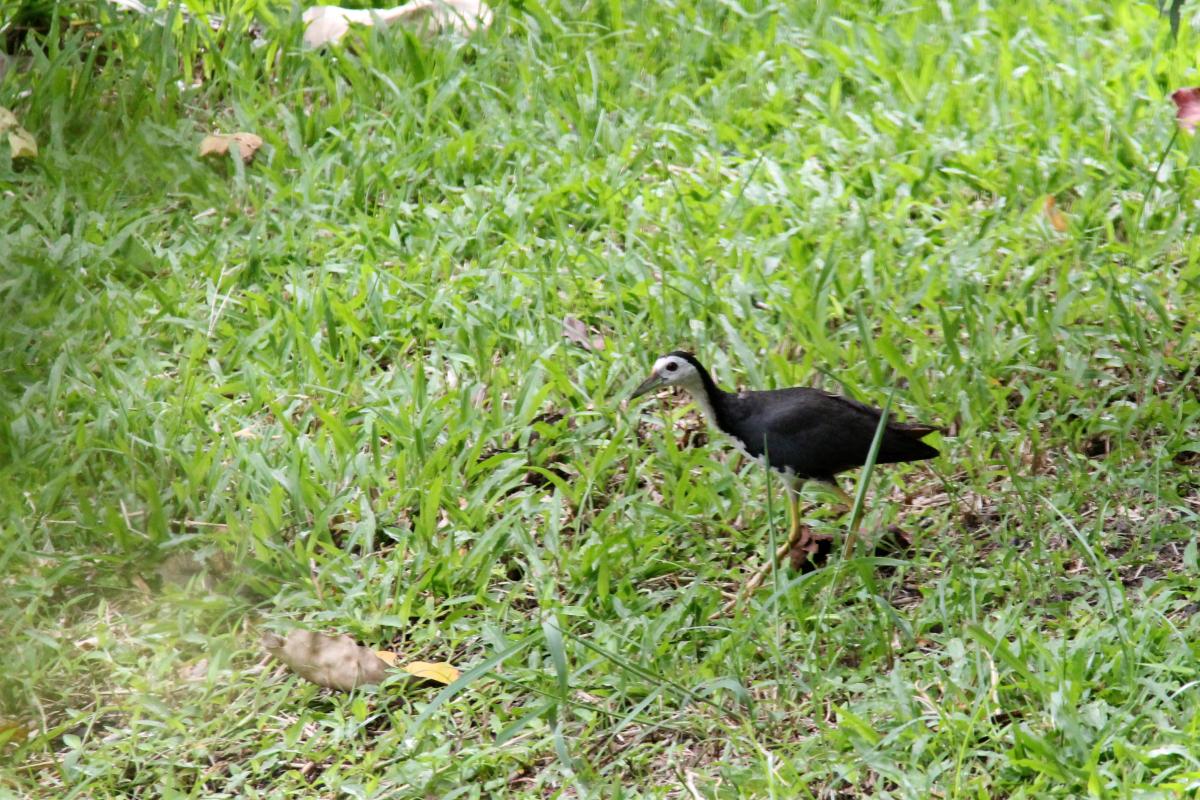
(817,434)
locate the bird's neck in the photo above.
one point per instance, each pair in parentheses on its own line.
(707,395)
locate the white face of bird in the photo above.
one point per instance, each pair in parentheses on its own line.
(671,370)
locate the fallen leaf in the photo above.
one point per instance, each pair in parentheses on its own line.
(440,671)
(1058,220)
(1187,107)
(434,16)
(219,144)
(194,673)
(12,731)
(20,141)
(140,584)
(22,144)
(387,656)
(810,552)
(576,331)
(335,662)
(180,567)
(328,24)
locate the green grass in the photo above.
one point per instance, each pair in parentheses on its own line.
(305,392)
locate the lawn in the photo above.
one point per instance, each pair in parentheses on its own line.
(330,389)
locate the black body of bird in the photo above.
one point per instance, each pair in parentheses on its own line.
(807,434)
(804,434)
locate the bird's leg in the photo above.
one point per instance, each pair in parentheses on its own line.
(796,532)
(847,504)
(852,535)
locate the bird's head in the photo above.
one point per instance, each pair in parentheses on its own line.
(674,369)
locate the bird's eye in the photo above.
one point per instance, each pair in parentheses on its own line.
(672,366)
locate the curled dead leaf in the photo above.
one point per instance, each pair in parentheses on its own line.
(247,145)
(8,120)
(22,144)
(328,24)
(12,731)
(434,16)
(576,331)
(1057,219)
(196,672)
(20,141)
(334,662)
(1187,107)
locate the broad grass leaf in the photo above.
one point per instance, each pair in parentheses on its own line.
(247,145)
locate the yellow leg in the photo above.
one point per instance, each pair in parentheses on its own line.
(852,535)
(795,533)
(795,530)
(847,503)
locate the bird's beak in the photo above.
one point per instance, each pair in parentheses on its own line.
(651,383)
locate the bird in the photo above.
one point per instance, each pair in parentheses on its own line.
(803,434)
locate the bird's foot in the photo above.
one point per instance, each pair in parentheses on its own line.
(799,540)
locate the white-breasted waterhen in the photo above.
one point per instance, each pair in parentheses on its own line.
(802,433)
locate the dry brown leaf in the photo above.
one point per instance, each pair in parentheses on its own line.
(218,145)
(22,144)
(1058,220)
(20,141)
(12,731)
(194,673)
(140,584)
(1187,107)
(335,662)
(440,671)
(576,331)
(181,566)
(387,656)
(434,16)
(328,24)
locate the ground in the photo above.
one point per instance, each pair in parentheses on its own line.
(331,389)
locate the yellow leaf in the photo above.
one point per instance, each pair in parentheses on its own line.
(22,144)
(1058,220)
(387,656)
(218,145)
(12,731)
(20,141)
(439,671)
